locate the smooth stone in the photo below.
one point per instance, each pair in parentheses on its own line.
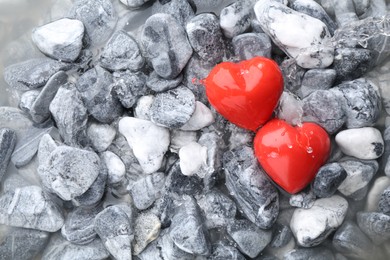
(302,37)
(351,142)
(180,10)
(320,253)
(39,109)
(159,84)
(148,141)
(143,106)
(316,79)
(235,18)
(192,157)
(7,145)
(290,108)
(61,39)
(375,194)
(94,194)
(134,3)
(46,145)
(33,73)
(328,179)
(281,236)
(146,229)
(375,225)
(249,45)
(27,100)
(225,251)
(181,138)
(100,135)
(384,201)
(30,207)
(116,169)
(121,53)
(312,226)
(202,117)
(69,172)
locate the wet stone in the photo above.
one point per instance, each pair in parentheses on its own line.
(70,115)
(159,84)
(361,102)
(100,135)
(21,243)
(39,109)
(316,79)
(29,207)
(250,239)
(375,225)
(173,108)
(222,251)
(249,45)
(95,89)
(236,18)
(205,37)
(292,75)
(320,253)
(384,201)
(99,18)
(188,231)
(328,179)
(254,194)
(290,108)
(7,145)
(129,87)
(69,172)
(79,227)
(166,45)
(61,39)
(180,10)
(115,228)
(32,74)
(121,53)
(147,189)
(146,229)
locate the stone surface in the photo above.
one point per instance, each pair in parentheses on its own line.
(376,194)
(202,117)
(181,138)
(309,253)
(142,108)
(146,229)
(304,199)
(290,108)
(159,84)
(7,145)
(180,10)
(15,119)
(316,79)
(100,135)
(235,18)
(61,39)
(384,201)
(116,169)
(375,225)
(192,157)
(94,194)
(328,179)
(134,3)
(250,45)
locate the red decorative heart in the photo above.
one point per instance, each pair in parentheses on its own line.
(291,156)
(245,93)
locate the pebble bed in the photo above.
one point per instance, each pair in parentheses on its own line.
(112,150)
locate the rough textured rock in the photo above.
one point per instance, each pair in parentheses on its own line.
(328,179)
(146,229)
(375,225)
(7,145)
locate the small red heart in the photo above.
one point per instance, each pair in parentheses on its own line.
(291,156)
(245,93)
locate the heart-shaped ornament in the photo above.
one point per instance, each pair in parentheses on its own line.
(245,93)
(291,156)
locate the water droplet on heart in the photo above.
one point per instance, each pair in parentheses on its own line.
(309,149)
(273,155)
(290,146)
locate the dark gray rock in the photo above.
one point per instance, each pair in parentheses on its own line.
(384,201)
(250,239)
(254,194)
(236,18)
(30,207)
(166,45)
(292,75)
(70,115)
(316,79)
(328,179)
(121,53)
(188,231)
(79,226)
(206,38)
(180,10)
(7,145)
(375,225)
(173,108)
(361,102)
(95,88)
(98,16)
(147,189)
(219,209)
(32,74)
(281,235)
(249,45)
(159,84)
(221,251)
(21,243)
(129,87)
(39,109)
(318,253)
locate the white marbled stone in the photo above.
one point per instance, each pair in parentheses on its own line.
(101,136)
(149,141)
(142,109)
(192,157)
(375,193)
(201,117)
(181,138)
(116,169)
(364,143)
(61,39)
(311,226)
(302,37)
(290,108)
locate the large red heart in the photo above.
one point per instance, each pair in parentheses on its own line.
(245,93)
(291,156)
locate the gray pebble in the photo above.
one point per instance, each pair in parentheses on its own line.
(70,115)
(153,252)
(173,108)
(30,207)
(345,12)
(223,251)
(236,18)
(32,74)
(116,169)
(169,250)
(328,179)
(250,239)
(292,75)
(27,100)
(281,236)
(249,45)
(121,53)
(166,45)
(146,229)
(180,10)
(316,79)
(304,199)
(95,89)
(206,38)
(361,102)
(46,145)
(254,194)
(98,16)
(318,253)
(159,84)
(7,145)
(375,225)
(188,231)
(100,135)
(384,201)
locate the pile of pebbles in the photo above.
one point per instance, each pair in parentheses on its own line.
(114,151)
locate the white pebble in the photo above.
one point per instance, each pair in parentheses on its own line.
(364,143)
(181,138)
(148,141)
(101,136)
(192,157)
(142,109)
(116,169)
(201,117)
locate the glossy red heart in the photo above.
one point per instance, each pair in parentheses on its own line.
(245,93)
(291,156)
